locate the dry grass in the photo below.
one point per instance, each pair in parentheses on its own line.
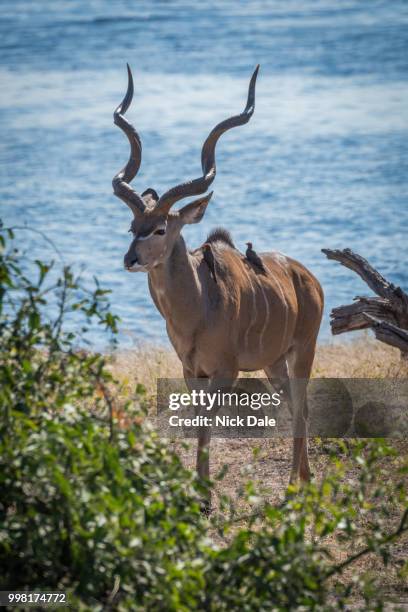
(269,466)
(145,365)
(363,358)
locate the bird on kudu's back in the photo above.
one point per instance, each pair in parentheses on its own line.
(209,259)
(253,257)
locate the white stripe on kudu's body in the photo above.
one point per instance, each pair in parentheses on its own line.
(252,320)
(277,313)
(266,321)
(281,260)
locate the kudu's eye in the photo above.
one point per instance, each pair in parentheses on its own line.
(160,232)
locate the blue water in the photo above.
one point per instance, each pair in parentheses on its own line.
(323,162)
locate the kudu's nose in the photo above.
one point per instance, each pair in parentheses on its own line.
(130,260)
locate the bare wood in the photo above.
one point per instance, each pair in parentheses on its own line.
(389,333)
(351,316)
(402,528)
(386,315)
(372,277)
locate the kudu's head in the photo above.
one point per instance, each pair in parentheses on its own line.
(155,229)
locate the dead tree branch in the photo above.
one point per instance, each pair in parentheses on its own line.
(386,313)
(377,283)
(389,333)
(388,539)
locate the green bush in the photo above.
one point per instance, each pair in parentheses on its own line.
(84,505)
(104,510)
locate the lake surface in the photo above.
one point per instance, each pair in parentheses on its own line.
(323,162)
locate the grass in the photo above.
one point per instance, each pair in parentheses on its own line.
(362,358)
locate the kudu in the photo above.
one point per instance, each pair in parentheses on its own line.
(245,321)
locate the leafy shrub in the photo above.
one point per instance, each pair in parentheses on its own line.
(101,508)
(83,505)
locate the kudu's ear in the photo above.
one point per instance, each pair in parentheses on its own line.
(194,212)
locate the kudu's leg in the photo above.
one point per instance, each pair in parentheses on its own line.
(300,366)
(212,385)
(203,439)
(203,466)
(278,376)
(204,436)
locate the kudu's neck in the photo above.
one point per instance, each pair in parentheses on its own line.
(174,284)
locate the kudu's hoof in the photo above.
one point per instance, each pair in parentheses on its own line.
(205,507)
